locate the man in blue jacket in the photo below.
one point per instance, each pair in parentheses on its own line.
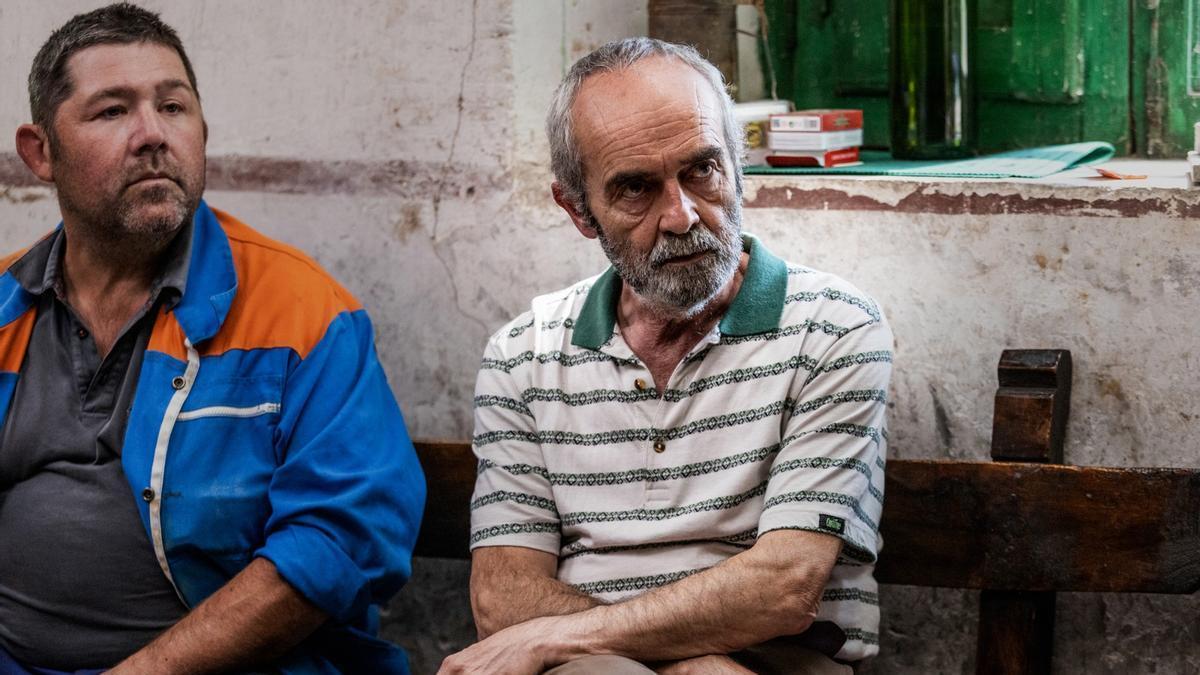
(202,467)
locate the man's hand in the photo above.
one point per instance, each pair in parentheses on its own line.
(713,664)
(517,650)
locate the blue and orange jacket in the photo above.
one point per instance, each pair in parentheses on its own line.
(263,425)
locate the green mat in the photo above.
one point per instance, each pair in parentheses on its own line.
(1028,163)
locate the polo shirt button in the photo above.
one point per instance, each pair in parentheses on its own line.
(640,384)
(178,382)
(82,333)
(659,445)
(148,495)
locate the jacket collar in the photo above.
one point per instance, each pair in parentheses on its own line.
(757,308)
(209,291)
(211,279)
(14,300)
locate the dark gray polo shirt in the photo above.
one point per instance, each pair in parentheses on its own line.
(79,583)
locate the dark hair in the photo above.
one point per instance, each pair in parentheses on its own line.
(121,23)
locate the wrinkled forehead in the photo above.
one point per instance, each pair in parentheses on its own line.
(656,105)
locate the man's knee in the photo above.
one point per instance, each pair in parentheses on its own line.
(607,664)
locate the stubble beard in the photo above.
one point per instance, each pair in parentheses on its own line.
(126,220)
(684,291)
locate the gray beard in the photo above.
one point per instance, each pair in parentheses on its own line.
(682,292)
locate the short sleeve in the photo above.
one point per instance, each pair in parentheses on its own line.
(513,503)
(828,474)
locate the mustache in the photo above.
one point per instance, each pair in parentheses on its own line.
(697,240)
(153,169)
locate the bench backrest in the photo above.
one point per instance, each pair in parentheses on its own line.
(994,525)
(1020,530)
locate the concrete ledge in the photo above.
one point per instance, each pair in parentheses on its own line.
(1078,192)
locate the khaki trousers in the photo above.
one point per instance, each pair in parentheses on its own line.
(764,661)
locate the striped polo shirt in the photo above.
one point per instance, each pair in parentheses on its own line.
(775,420)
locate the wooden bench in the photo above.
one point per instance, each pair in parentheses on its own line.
(1020,528)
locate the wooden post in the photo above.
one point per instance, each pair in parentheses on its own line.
(708,25)
(1032,405)
(1016,628)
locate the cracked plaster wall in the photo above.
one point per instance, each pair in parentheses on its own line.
(458,90)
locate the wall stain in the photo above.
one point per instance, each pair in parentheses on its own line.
(409,222)
(1044,262)
(942,420)
(1183,275)
(1111,387)
(22,196)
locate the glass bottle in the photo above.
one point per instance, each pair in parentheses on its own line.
(932,86)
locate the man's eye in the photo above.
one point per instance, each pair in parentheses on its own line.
(172,108)
(704,170)
(112,112)
(633,190)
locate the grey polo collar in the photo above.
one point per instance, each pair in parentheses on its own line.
(39,270)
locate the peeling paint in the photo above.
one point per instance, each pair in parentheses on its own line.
(25,195)
(974,199)
(277,175)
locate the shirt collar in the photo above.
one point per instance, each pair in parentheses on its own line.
(40,269)
(757,308)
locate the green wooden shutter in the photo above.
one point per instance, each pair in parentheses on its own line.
(1166,75)
(1049,71)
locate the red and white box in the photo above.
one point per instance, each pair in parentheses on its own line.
(814,140)
(825,159)
(816,120)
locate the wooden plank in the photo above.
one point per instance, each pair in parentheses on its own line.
(1016,640)
(1047,44)
(1016,628)
(450,475)
(1016,526)
(708,25)
(1166,43)
(1032,405)
(966,524)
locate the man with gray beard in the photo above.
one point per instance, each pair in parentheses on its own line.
(202,468)
(680,459)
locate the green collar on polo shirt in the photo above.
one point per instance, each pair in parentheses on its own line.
(756,309)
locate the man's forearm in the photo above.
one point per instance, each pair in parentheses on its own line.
(252,620)
(752,597)
(503,595)
(773,589)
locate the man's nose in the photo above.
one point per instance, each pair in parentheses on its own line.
(679,212)
(149,133)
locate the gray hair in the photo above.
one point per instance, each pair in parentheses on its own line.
(565,158)
(121,23)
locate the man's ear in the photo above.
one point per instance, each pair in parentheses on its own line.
(34,148)
(581,221)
